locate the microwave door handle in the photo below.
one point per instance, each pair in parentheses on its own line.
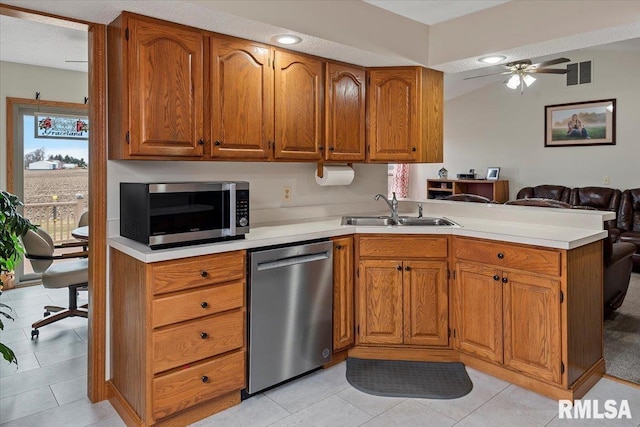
(232,209)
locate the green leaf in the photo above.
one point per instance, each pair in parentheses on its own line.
(8,354)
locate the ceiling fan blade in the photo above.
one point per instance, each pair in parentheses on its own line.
(549,71)
(487,75)
(550,62)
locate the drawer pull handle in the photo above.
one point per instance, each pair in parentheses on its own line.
(496,277)
(204,378)
(204,304)
(505,280)
(407,268)
(399,267)
(204,273)
(500,255)
(204,335)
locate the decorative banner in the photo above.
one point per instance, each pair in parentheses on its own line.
(63,127)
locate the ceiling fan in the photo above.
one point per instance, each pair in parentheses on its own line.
(521,72)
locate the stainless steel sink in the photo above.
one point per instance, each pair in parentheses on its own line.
(382,221)
(424,221)
(367,220)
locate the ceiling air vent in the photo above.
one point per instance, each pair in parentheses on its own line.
(579,73)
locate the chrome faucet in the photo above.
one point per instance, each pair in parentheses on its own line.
(419,210)
(393,205)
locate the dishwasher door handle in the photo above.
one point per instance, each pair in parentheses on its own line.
(287,262)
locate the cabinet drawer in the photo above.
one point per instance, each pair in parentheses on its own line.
(177,275)
(197,340)
(196,384)
(511,256)
(197,303)
(414,246)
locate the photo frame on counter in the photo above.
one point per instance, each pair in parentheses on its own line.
(580,124)
(493,173)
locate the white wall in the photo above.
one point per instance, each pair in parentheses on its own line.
(266,183)
(496,126)
(23,81)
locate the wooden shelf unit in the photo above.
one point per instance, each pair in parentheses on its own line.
(497,190)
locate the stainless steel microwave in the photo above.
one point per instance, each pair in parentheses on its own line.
(164,215)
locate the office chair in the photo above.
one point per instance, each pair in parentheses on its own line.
(39,250)
(84,219)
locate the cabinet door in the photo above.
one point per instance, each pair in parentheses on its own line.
(393,103)
(532,327)
(426,310)
(166,98)
(242,99)
(380,302)
(345,113)
(479,298)
(299,100)
(343,293)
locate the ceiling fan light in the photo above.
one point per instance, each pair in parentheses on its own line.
(514,82)
(492,59)
(529,79)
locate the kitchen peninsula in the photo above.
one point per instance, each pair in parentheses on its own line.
(513,291)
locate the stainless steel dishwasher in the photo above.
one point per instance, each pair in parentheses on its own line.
(290,312)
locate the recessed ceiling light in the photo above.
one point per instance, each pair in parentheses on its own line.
(493,59)
(287,39)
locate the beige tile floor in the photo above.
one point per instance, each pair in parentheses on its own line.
(49,389)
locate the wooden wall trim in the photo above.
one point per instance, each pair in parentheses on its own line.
(97,389)
(96,383)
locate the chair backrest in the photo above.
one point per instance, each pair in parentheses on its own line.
(556,192)
(84,219)
(39,243)
(468,198)
(545,203)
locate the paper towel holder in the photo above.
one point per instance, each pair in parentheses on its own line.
(320,168)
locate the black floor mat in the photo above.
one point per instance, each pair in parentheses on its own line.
(400,378)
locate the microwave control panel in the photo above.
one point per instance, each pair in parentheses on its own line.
(242,208)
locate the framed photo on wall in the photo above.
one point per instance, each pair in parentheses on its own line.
(580,123)
(493,173)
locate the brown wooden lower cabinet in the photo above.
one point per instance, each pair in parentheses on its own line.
(178,337)
(402,301)
(343,293)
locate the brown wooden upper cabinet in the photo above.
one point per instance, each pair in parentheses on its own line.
(299,101)
(242,99)
(405,111)
(156,79)
(345,112)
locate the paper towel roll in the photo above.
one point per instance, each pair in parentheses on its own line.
(335,175)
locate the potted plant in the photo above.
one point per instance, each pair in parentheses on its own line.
(14,225)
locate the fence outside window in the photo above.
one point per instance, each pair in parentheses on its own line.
(56,218)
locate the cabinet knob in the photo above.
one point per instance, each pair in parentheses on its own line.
(204,273)
(201,142)
(414,149)
(505,280)
(399,267)
(217,143)
(204,378)
(321,147)
(496,277)
(338,246)
(331,148)
(204,335)
(204,304)
(407,268)
(500,255)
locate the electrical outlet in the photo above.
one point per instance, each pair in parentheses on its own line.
(606,180)
(286,193)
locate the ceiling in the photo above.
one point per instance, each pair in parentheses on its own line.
(325,34)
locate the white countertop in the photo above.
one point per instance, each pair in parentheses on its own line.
(559,237)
